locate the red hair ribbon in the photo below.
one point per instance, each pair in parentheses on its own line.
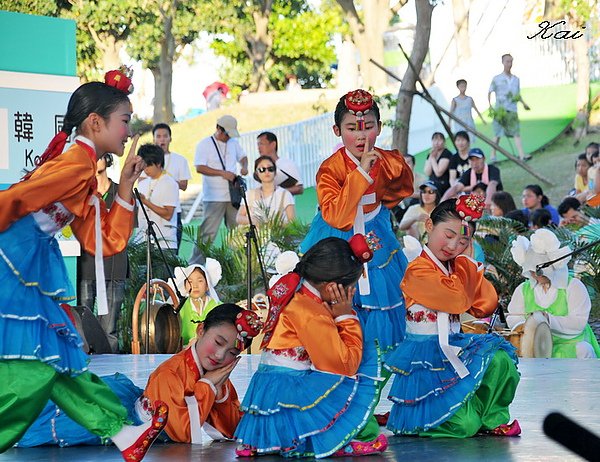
(359,102)
(120,79)
(360,247)
(56,146)
(248,325)
(470,208)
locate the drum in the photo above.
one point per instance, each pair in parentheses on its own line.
(533,338)
(474,327)
(164,325)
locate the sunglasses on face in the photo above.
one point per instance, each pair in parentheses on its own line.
(265,169)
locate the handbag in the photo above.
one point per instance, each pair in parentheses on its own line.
(235,186)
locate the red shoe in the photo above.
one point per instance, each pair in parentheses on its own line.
(363,448)
(137,450)
(512,429)
(382,419)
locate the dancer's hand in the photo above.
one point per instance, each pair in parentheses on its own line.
(219,376)
(340,300)
(368,157)
(134,165)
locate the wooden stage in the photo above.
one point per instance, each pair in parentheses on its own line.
(571,387)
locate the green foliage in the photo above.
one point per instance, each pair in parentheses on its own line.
(300,36)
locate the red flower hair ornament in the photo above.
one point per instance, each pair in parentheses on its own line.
(359,102)
(120,79)
(248,325)
(470,208)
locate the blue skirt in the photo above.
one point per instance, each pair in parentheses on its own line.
(381,313)
(426,390)
(53,427)
(34,278)
(307,413)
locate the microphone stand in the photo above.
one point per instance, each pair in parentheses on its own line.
(251,238)
(539,272)
(151,233)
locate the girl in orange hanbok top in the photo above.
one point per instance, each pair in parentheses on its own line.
(203,404)
(40,350)
(308,397)
(447,383)
(356,188)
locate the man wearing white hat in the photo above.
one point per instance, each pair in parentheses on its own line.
(216,159)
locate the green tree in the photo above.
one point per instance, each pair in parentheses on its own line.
(294,39)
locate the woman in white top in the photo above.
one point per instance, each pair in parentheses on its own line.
(268,200)
(413,221)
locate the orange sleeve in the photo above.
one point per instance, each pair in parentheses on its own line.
(399,179)
(166,386)
(226,415)
(339,192)
(466,289)
(334,347)
(116,225)
(65,179)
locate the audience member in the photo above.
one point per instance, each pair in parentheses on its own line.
(480,172)
(459,163)
(462,107)
(268,200)
(116,268)
(480,189)
(570,213)
(582,165)
(216,159)
(413,221)
(533,198)
(507,90)
(159,193)
(288,173)
(175,165)
(518,216)
(502,204)
(541,218)
(438,162)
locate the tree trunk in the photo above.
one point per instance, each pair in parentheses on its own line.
(408,86)
(582,63)
(258,47)
(461,30)
(367,35)
(163,75)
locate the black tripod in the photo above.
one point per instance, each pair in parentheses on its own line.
(151,234)
(250,239)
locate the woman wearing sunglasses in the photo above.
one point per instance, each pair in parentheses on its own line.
(268,201)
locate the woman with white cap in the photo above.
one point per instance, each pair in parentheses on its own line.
(562,299)
(197,282)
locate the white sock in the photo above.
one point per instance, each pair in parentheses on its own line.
(129,435)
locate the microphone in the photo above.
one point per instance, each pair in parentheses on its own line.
(572,436)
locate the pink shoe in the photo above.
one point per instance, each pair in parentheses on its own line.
(363,448)
(244,450)
(512,429)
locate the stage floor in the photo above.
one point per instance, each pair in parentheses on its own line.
(568,386)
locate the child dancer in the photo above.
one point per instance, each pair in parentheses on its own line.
(562,299)
(40,351)
(202,400)
(305,398)
(356,188)
(447,383)
(198,283)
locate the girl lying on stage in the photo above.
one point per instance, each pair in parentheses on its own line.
(203,403)
(447,383)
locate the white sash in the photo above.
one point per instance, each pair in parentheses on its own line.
(99,260)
